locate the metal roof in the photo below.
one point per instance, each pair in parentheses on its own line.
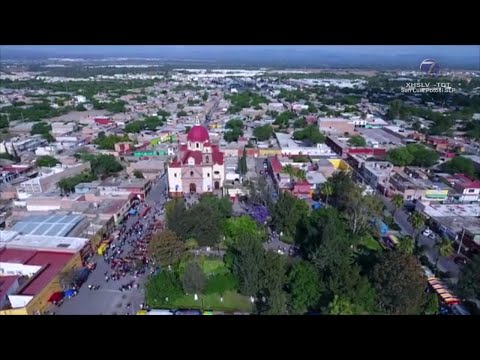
(47,225)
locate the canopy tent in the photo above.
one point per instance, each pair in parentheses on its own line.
(70,293)
(56,297)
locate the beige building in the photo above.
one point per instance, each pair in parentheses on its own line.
(150,168)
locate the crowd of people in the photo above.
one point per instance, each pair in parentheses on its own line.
(127,254)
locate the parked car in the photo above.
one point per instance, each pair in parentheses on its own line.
(427,232)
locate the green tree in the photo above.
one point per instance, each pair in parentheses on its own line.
(41,128)
(406,244)
(310,133)
(138,174)
(468,285)
(397,202)
(361,209)
(287,212)
(166,248)
(182,113)
(191,244)
(263,133)
(234,124)
(105,165)
(400,157)
(232,135)
(175,214)
(80,107)
(4,122)
(460,164)
(445,248)
(194,278)
(417,222)
(422,156)
(432,305)
(357,141)
(222,204)
(46,161)
(247,256)
(204,222)
(304,287)
(300,123)
(163,288)
(236,226)
(340,306)
(327,190)
(205,96)
(311,108)
(242,163)
(273,278)
(108,142)
(400,284)
(135,127)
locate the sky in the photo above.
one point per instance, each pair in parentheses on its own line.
(449,55)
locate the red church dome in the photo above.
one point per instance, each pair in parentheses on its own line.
(198,133)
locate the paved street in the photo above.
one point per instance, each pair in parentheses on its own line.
(109,300)
(445,264)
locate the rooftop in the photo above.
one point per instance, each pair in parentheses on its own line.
(12,239)
(48,225)
(51,263)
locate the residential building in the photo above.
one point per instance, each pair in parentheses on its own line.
(340,146)
(376,173)
(414,184)
(48,178)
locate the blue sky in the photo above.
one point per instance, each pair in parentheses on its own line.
(326,53)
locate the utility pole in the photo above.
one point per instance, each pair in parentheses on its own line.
(461,241)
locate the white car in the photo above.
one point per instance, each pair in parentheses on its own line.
(427,232)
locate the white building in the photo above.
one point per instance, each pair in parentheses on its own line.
(198,167)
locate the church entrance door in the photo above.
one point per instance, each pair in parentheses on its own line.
(193,188)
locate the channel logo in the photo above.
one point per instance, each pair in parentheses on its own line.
(430,67)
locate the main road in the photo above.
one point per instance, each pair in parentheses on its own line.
(109,300)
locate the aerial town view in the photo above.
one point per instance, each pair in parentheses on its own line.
(282,180)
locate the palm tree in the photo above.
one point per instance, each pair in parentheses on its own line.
(397,202)
(406,245)
(289,169)
(417,222)
(327,190)
(445,248)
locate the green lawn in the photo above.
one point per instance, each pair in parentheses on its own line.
(232,301)
(213,267)
(371,244)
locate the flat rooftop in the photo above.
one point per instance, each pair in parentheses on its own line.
(12,239)
(48,225)
(379,135)
(452,210)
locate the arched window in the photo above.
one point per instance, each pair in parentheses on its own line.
(198,145)
(175,174)
(208,174)
(191,173)
(207,159)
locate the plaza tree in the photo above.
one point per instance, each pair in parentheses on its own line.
(304,287)
(194,279)
(166,248)
(246,257)
(400,284)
